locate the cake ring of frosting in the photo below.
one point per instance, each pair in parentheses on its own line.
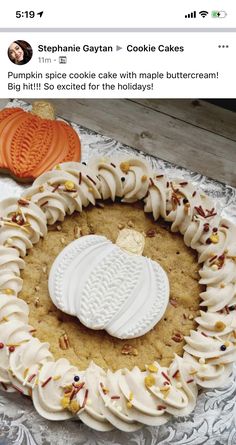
(107,288)
(125,399)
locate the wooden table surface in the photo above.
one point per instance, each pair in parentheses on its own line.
(191,133)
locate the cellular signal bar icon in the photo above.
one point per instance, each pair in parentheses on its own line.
(191,15)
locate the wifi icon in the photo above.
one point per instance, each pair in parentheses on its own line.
(203,13)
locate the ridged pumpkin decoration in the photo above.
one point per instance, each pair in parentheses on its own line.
(31,144)
(110,286)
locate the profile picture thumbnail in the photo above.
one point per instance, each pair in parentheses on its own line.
(20,52)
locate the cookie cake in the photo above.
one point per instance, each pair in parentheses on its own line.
(117,294)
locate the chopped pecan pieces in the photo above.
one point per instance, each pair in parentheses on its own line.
(130,224)
(177,337)
(64,342)
(129,350)
(77,231)
(151,233)
(23,202)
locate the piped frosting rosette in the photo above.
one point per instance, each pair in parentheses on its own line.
(10,266)
(22,223)
(53,379)
(25,363)
(14,330)
(123,399)
(13,333)
(69,187)
(207,374)
(127,179)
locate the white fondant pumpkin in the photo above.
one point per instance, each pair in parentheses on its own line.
(108,288)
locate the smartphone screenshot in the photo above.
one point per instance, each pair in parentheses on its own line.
(118,222)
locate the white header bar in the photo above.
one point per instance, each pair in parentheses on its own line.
(123,14)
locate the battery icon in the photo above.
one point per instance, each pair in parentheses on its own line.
(218,14)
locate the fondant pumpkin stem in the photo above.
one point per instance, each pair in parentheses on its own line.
(131,241)
(43,109)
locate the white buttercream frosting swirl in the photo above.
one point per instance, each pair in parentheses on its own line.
(12,334)
(127,179)
(70,187)
(22,224)
(49,389)
(10,266)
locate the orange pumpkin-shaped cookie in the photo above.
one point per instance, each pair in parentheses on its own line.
(31,144)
